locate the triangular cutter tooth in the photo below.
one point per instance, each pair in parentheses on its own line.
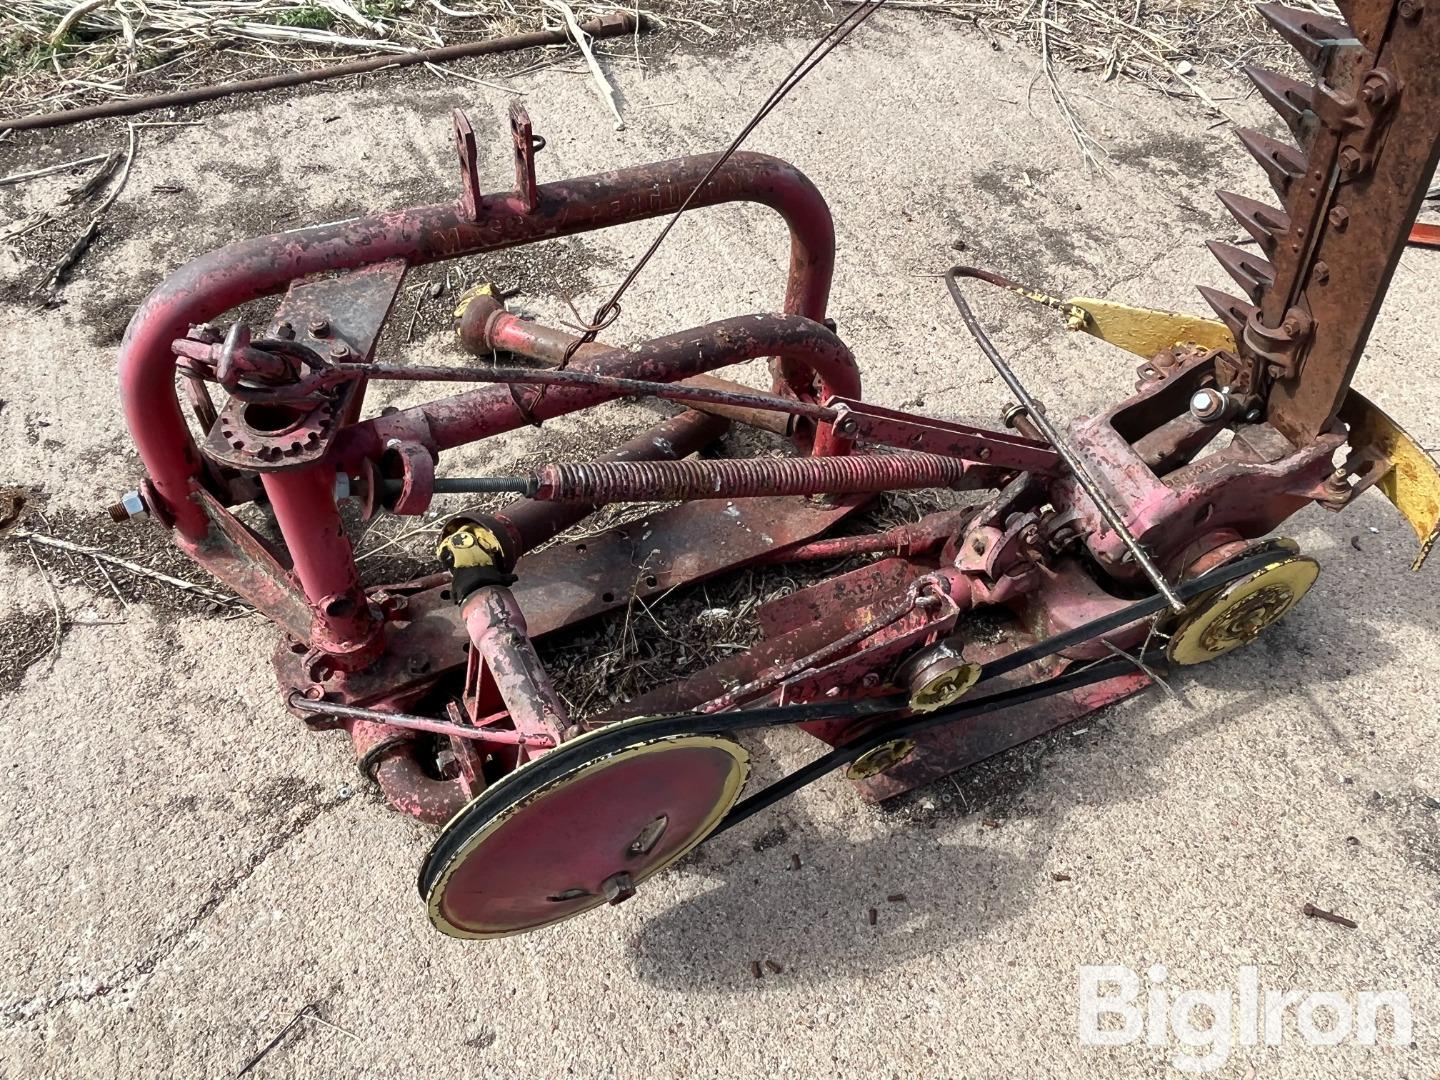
(1252,273)
(1265,223)
(1307,31)
(1233,311)
(1291,99)
(1282,162)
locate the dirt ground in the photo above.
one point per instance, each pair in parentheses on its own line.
(186,867)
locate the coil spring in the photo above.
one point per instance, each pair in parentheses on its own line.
(737,478)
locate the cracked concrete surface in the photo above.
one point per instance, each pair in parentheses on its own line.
(187,867)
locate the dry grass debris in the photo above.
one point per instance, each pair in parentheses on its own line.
(63,53)
(59,54)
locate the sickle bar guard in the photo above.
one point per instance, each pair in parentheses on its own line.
(1100,548)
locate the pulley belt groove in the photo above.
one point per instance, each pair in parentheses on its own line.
(733,478)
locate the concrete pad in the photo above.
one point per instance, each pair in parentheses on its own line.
(187,867)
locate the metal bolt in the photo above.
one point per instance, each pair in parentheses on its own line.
(1410,10)
(319,328)
(285,331)
(978,545)
(1321,272)
(1329,916)
(1375,90)
(339,351)
(1339,218)
(1349,161)
(131,506)
(870,680)
(1208,405)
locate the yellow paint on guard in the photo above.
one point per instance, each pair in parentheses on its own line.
(1146,331)
(1412,482)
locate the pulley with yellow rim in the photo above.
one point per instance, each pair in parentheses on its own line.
(1236,615)
(578,827)
(881,759)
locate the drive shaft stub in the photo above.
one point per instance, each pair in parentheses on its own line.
(577,828)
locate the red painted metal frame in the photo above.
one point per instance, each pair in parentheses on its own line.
(214,283)
(848,637)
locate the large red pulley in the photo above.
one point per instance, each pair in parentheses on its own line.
(577,827)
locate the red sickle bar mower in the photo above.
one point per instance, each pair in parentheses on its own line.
(1108,549)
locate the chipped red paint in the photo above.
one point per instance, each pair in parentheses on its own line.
(212,284)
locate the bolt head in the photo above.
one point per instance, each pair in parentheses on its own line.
(1375,90)
(1410,10)
(1339,218)
(339,351)
(319,328)
(131,506)
(1208,404)
(1349,160)
(1321,272)
(285,331)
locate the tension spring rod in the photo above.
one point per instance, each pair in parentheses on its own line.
(1082,474)
(299,701)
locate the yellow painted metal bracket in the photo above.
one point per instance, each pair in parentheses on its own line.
(1146,331)
(1410,478)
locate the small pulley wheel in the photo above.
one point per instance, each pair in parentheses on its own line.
(1238,613)
(576,828)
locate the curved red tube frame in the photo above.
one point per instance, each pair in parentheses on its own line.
(491,410)
(214,283)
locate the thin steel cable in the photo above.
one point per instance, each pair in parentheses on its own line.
(609,311)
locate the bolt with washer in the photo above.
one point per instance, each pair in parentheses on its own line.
(1209,405)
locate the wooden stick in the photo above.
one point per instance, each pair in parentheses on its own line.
(614,25)
(35,174)
(101,555)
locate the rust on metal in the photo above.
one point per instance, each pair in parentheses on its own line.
(1102,549)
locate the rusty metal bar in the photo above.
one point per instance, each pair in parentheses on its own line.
(487,328)
(690,392)
(411,722)
(613,25)
(1356,219)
